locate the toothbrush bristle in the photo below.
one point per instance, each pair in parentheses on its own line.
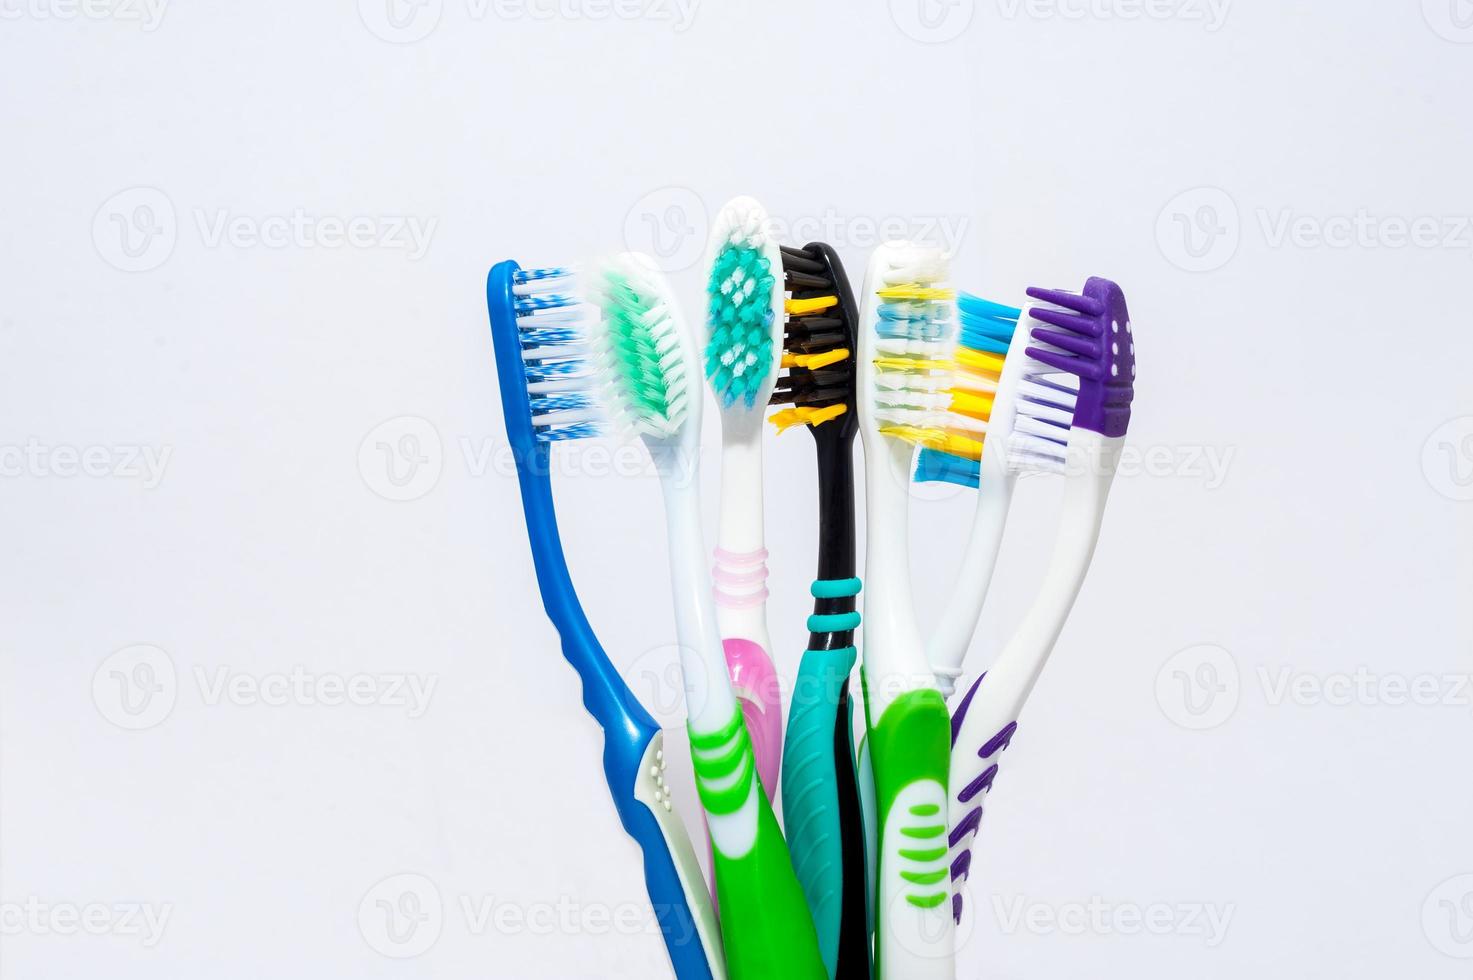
(1079,373)
(982,349)
(553,330)
(740,316)
(817,379)
(638,348)
(913,337)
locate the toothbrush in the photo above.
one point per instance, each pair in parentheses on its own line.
(1073,409)
(903,341)
(539,333)
(821,805)
(743,346)
(649,363)
(982,414)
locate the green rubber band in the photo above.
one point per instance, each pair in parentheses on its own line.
(833,623)
(924,877)
(724,756)
(716,765)
(835,588)
(923,833)
(923,856)
(718,738)
(929,902)
(925,810)
(729,800)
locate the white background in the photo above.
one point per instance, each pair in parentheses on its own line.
(1301,515)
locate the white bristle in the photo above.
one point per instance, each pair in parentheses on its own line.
(1045,415)
(912,346)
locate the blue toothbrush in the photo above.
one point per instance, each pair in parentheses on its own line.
(538,329)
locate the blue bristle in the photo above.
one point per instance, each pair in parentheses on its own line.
(527,304)
(522,276)
(561,402)
(555,347)
(555,370)
(985,325)
(910,321)
(544,336)
(934,466)
(561,433)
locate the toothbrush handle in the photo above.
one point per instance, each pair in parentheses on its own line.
(755,683)
(739,586)
(633,756)
(910,747)
(972,774)
(764,918)
(836,816)
(986,718)
(817,756)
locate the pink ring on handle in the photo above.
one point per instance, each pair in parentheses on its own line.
(744,558)
(726,576)
(729,600)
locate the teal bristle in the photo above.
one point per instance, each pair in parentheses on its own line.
(740,352)
(934,466)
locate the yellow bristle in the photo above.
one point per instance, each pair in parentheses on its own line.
(800,307)
(913,364)
(910,291)
(971,404)
(804,415)
(981,362)
(815,361)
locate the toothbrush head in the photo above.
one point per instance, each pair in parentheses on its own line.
(744,314)
(905,341)
(644,354)
(540,329)
(1079,373)
(818,341)
(981,393)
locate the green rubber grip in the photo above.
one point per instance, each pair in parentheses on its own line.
(765,926)
(910,746)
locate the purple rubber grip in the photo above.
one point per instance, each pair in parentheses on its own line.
(961,866)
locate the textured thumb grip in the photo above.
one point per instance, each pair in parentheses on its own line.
(811,792)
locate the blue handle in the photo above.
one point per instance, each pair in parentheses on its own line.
(628,728)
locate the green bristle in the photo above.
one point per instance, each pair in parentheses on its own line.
(642,352)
